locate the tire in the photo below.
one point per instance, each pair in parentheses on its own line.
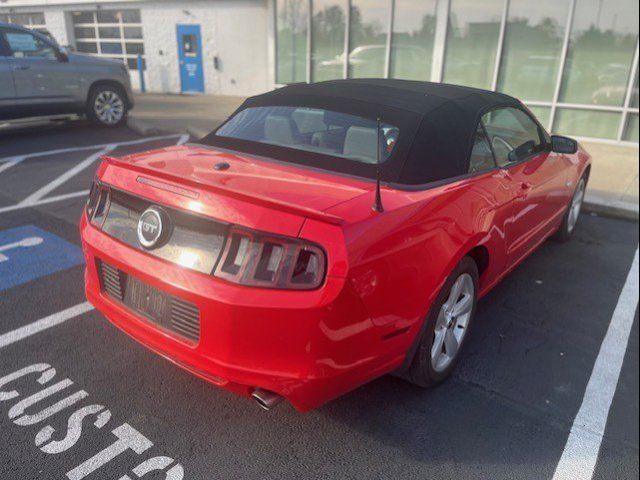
(107,106)
(572,214)
(427,369)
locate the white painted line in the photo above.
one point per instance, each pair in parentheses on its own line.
(43,324)
(580,453)
(35,199)
(11,161)
(24,243)
(51,186)
(45,201)
(90,147)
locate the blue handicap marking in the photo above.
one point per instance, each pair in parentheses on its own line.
(28,252)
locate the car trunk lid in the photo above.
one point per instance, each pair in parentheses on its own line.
(233,187)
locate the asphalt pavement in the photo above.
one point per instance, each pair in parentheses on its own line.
(527,388)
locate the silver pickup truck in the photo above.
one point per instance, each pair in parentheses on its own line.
(40,78)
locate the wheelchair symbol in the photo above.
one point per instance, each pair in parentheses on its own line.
(24,243)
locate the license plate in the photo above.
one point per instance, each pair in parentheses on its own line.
(149,301)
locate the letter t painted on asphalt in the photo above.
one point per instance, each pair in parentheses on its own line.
(128,438)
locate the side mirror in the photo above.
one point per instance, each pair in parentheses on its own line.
(565,145)
(522,151)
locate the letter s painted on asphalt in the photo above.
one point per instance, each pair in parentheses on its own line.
(74,429)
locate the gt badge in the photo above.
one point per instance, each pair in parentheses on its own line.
(154,227)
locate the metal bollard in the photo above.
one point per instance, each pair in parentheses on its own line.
(143,87)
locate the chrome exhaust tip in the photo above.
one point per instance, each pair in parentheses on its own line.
(265,398)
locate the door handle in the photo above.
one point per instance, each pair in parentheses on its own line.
(22,67)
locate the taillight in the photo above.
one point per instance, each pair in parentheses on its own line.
(262,260)
(98,204)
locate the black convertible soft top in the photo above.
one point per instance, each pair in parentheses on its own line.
(437,124)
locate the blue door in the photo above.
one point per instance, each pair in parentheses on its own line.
(190,57)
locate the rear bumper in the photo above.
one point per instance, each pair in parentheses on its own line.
(308,346)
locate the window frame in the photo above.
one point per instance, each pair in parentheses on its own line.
(31,25)
(419,187)
(545,139)
(27,31)
(404,120)
(330,155)
(493,154)
(96,39)
(4,48)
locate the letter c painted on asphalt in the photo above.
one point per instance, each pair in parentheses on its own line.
(47,373)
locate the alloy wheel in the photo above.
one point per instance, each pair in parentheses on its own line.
(576,206)
(452,323)
(108,107)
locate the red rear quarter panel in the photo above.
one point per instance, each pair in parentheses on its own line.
(398,260)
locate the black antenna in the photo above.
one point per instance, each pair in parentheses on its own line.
(377,204)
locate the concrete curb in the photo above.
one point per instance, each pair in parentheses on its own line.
(623,211)
(143,127)
(147,128)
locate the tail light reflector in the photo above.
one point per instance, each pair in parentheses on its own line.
(98,203)
(263,260)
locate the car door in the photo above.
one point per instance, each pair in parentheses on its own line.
(7,87)
(41,75)
(536,175)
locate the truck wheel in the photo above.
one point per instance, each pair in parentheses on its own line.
(107,106)
(447,325)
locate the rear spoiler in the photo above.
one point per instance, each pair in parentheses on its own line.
(231,192)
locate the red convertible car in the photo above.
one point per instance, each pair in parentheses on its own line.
(327,234)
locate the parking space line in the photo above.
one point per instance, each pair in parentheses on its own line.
(87,147)
(45,201)
(52,185)
(36,198)
(11,161)
(44,324)
(580,453)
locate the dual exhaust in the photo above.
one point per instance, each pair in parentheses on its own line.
(266,398)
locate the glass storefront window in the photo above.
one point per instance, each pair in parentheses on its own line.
(543,114)
(291,41)
(472,42)
(532,48)
(369,24)
(33,20)
(587,123)
(108,16)
(631,129)
(84,32)
(328,37)
(414,27)
(602,42)
(633,103)
(102,33)
(130,16)
(83,17)
(601,49)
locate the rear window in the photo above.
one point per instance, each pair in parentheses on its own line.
(314,130)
